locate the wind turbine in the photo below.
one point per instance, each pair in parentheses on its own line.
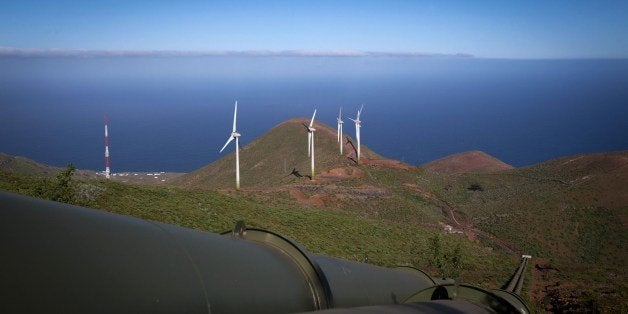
(235,135)
(340,122)
(357,130)
(310,142)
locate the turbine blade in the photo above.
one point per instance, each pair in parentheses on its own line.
(340,114)
(312,121)
(235,114)
(360,111)
(351,119)
(228,141)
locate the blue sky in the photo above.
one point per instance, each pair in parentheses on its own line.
(492,29)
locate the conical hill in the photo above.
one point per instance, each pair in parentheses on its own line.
(467,162)
(278,157)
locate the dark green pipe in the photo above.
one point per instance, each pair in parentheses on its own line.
(63,258)
(516,281)
(519,285)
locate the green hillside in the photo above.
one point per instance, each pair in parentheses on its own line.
(22,165)
(270,159)
(569,211)
(320,230)
(25,166)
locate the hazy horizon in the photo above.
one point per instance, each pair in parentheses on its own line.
(488,29)
(174,113)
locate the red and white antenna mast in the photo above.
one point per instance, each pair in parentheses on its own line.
(107,169)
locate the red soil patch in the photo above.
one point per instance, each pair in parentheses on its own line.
(541,280)
(337,174)
(389,163)
(473,161)
(315,200)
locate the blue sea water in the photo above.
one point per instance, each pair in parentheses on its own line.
(174,113)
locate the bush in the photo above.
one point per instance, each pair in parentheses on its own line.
(60,189)
(64,189)
(448,261)
(475,187)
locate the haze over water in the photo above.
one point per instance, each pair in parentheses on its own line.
(174,113)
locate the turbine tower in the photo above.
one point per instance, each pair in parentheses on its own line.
(357,130)
(107,168)
(340,122)
(310,143)
(235,135)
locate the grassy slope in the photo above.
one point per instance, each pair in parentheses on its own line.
(570,210)
(378,194)
(22,165)
(25,166)
(320,230)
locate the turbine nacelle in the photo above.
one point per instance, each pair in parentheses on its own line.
(235,134)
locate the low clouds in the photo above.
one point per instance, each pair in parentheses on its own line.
(27,52)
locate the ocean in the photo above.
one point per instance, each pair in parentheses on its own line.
(174,113)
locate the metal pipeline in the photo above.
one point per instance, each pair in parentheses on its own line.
(516,281)
(63,258)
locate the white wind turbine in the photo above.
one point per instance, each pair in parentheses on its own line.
(340,122)
(310,142)
(235,135)
(357,130)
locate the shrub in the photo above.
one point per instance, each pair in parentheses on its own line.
(449,262)
(475,187)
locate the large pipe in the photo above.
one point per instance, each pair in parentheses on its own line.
(63,258)
(515,283)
